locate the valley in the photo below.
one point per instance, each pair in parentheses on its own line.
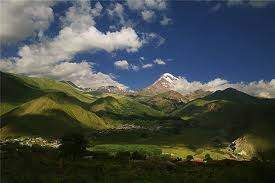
(178,125)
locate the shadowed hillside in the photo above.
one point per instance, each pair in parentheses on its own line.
(51,114)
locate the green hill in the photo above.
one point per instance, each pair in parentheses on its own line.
(15,90)
(52,114)
(166,102)
(123,107)
(231,114)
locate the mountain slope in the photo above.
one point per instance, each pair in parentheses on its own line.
(167,101)
(52,114)
(123,107)
(16,90)
(230,110)
(163,84)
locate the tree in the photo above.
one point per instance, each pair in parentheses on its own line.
(189,158)
(138,156)
(73,145)
(207,157)
(123,155)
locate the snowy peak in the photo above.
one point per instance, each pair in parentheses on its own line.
(165,83)
(167,77)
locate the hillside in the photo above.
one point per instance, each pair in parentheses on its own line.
(123,107)
(166,101)
(15,90)
(231,115)
(52,114)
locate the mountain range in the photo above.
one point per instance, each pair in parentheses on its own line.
(49,108)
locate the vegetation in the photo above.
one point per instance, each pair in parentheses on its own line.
(26,165)
(73,145)
(132,139)
(189,157)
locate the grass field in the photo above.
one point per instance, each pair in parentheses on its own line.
(27,165)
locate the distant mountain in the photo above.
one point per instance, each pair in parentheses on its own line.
(233,95)
(230,110)
(111,89)
(196,94)
(45,107)
(165,83)
(167,101)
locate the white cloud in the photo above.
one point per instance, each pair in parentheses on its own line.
(122,64)
(165,21)
(135,4)
(117,10)
(146,66)
(23,18)
(159,61)
(143,4)
(134,67)
(78,34)
(147,8)
(256,88)
(148,15)
(153,38)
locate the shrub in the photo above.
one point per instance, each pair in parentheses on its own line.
(189,157)
(72,145)
(123,155)
(207,157)
(138,156)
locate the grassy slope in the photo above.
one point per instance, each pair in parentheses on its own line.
(51,114)
(231,114)
(15,90)
(124,107)
(167,101)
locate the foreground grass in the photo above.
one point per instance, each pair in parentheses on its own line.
(45,166)
(115,148)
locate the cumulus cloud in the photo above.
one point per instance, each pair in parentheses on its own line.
(122,64)
(165,21)
(147,66)
(147,8)
(24,18)
(117,10)
(148,15)
(256,88)
(151,4)
(78,34)
(159,61)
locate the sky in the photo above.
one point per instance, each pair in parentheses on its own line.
(129,44)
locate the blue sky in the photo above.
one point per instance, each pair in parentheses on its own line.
(199,41)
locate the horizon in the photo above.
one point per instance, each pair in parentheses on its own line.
(127,44)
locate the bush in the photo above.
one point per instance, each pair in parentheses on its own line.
(73,145)
(123,155)
(189,157)
(207,157)
(138,156)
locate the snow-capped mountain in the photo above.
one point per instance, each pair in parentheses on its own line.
(111,89)
(165,83)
